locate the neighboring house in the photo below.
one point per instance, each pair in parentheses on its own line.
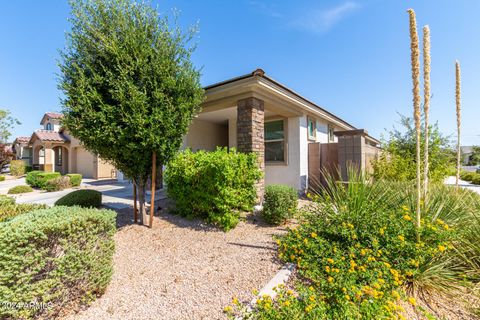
(294,138)
(467,153)
(22,151)
(53,149)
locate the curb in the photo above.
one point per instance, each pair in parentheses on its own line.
(281,277)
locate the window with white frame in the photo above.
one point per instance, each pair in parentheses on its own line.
(331,135)
(312,128)
(48,126)
(275,141)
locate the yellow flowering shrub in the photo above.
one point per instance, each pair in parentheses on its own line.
(353,259)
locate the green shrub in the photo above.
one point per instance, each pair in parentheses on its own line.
(17,168)
(2,178)
(75,179)
(57,184)
(467,176)
(357,254)
(4,200)
(12,209)
(213,185)
(280,203)
(57,256)
(38,179)
(476,179)
(20,189)
(82,198)
(28,169)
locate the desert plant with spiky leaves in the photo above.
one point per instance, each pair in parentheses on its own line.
(458,106)
(426,104)
(415,63)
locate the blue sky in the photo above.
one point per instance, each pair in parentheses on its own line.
(351,57)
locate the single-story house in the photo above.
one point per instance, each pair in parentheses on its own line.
(53,149)
(293,137)
(21,150)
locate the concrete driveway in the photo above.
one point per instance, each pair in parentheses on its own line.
(115,195)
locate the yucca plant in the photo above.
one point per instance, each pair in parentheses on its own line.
(415,64)
(457,103)
(426,104)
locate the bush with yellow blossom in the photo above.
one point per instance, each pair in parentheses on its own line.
(357,251)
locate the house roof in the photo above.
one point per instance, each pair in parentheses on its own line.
(51,136)
(21,140)
(51,115)
(260,73)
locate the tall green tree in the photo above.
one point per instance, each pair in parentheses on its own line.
(130,87)
(398,159)
(7,122)
(475,156)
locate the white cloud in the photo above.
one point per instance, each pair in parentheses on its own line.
(320,21)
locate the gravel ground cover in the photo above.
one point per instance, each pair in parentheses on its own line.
(184,269)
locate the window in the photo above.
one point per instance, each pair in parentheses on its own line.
(331,136)
(48,126)
(275,141)
(312,129)
(59,157)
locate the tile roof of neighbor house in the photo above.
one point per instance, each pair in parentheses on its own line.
(22,139)
(54,115)
(46,135)
(51,115)
(259,72)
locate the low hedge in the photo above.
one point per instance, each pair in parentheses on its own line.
(2,178)
(75,179)
(83,198)
(280,203)
(472,177)
(4,200)
(17,168)
(213,185)
(38,179)
(57,184)
(58,257)
(11,209)
(20,189)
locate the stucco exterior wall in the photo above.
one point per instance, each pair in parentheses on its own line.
(104,169)
(232,133)
(290,172)
(85,163)
(203,135)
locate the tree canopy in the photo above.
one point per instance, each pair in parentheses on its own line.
(475,156)
(398,162)
(130,86)
(7,122)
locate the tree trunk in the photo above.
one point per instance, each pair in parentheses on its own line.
(141,190)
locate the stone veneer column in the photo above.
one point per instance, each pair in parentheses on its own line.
(250,134)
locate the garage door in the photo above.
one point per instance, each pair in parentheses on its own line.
(84,163)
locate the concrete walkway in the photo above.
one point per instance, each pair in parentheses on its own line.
(464,184)
(115,195)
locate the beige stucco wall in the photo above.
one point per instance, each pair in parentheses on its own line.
(290,173)
(85,163)
(104,169)
(232,133)
(203,135)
